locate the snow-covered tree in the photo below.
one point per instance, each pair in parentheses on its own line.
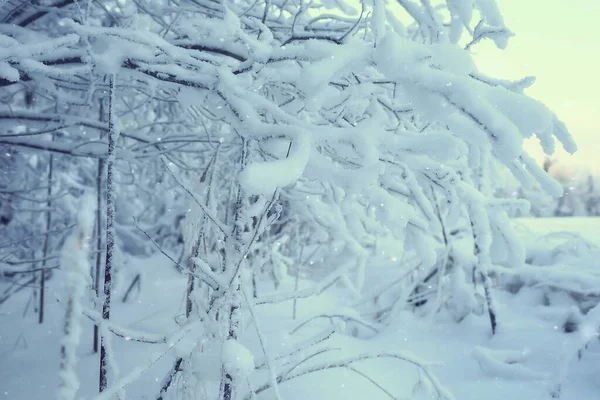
(370,123)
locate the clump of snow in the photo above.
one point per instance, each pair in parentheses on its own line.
(378,19)
(206,361)
(9,73)
(318,74)
(462,301)
(395,55)
(237,359)
(75,251)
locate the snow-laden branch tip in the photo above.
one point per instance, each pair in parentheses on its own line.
(261,338)
(423,366)
(137,372)
(200,204)
(125,333)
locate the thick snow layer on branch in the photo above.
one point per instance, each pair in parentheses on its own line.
(452,58)
(530,116)
(437,145)
(464,8)
(266,177)
(378,19)
(448,95)
(9,73)
(75,251)
(506,247)
(396,56)
(489,10)
(318,74)
(74,260)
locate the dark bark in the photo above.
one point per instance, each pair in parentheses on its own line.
(46,240)
(98,267)
(134,282)
(487,288)
(110,229)
(169,379)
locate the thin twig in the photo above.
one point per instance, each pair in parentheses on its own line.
(213,219)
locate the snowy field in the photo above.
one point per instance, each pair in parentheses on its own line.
(589,227)
(542,338)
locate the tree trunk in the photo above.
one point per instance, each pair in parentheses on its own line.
(46,239)
(110,228)
(98,241)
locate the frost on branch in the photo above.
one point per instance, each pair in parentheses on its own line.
(359,147)
(75,264)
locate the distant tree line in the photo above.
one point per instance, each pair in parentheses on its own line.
(580,198)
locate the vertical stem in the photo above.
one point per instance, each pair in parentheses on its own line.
(98,240)
(483,254)
(169,379)
(442,267)
(295,305)
(297,281)
(200,243)
(134,282)
(66,352)
(237,235)
(238,228)
(487,287)
(110,227)
(46,239)
(190,282)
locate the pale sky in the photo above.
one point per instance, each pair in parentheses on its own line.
(558,41)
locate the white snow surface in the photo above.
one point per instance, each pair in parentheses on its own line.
(524,360)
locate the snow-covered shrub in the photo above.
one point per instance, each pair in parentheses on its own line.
(373,127)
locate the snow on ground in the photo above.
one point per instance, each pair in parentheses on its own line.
(588,227)
(523,360)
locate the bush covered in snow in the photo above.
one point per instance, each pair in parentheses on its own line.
(261,145)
